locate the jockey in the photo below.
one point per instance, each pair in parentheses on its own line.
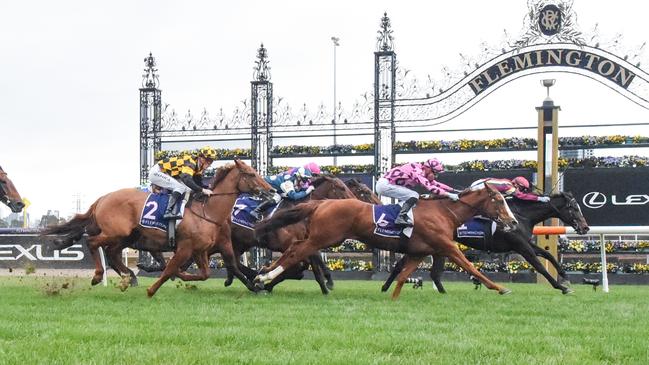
(311,166)
(397,182)
(518,187)
(181,174)
(292,185)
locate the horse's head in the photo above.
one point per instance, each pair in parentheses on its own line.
(244,178)
(329,187)
(8,193)
(569,211)
(362,192)
(490,203)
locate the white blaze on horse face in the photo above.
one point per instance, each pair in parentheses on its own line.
(509,212)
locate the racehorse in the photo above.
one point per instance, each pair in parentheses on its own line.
(362,191)
(8,193)
(528,213)
(326,187)
(330,222)
(113,222)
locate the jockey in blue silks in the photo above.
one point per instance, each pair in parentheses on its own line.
(291,185)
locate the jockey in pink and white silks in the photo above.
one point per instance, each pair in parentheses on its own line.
(518,187)
(397,183)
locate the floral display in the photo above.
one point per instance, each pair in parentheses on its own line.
(351,246)
(579,246)
(349,265)
(511,267)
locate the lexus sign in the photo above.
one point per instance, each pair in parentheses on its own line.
(611,196)
(19,250)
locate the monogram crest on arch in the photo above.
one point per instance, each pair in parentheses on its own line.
(550,21)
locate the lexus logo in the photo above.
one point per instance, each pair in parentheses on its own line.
(594,200)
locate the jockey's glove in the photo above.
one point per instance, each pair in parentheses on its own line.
(310,189)
(453,197)
(543,199)
(207,192)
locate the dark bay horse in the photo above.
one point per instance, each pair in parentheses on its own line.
(8,193)
(362,191)
(528,214)
(330,222)
(113,222)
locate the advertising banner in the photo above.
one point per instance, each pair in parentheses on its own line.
(20,250)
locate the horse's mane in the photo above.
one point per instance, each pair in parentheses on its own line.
(353,182)
(221,173)
(321,179)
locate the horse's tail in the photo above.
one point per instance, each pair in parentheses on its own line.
(283,218)
(74,229)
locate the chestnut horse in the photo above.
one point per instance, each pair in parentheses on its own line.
(8,193)
(330,222)
(362,191)
(243,239)
(113,222)
(528,213)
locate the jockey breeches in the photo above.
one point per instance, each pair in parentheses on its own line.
(163,180)
(401,193)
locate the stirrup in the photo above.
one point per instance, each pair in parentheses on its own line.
(401,222)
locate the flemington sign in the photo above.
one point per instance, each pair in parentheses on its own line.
(578,58)
(23,248)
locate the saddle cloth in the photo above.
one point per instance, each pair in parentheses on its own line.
(384,216)
(476,227)
(154,209)
(245,204)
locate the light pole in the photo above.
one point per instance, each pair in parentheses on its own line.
(336,44)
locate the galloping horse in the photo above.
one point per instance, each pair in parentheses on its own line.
(362,191)
(528,213)
(326,187)
(330,222)
(8,193)
(113,222)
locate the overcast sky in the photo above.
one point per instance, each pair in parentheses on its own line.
(70,72)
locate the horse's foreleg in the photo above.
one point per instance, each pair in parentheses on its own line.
(410,265)
(530,256)
(455,255)
(294,272)
(232,264)
(436,272)
(398,267)
(183,253)
(548,256)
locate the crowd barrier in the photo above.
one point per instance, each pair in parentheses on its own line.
(595,230)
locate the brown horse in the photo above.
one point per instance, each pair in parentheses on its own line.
(113,222)
(330,222)
(8,193)
(362,191)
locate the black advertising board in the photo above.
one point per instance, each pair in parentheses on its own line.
(611,196)
(20,250)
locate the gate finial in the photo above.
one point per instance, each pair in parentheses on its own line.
(150,76)
(385,40)
(261,69)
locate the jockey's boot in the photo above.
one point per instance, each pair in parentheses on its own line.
(173,207)
(256,213)
(402,219)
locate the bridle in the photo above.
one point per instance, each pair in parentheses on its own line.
(473,208)
(204,200)
(571,204)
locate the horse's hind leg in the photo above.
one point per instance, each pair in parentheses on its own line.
(548,256)
(93,246)
(114,254)
(436,272)
(455,255)
(398,267)
(183,253)
(231,263)
(410,265)
(317,260)
(201,260)
(293,255)
(318,273)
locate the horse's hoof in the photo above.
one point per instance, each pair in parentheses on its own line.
(95,281)
(504,291)
(384,288)
(134,282)
(149,294)
(259,286)
(330,285)
(227,282)
(567,291)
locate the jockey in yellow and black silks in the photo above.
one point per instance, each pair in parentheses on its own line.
(181,174)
